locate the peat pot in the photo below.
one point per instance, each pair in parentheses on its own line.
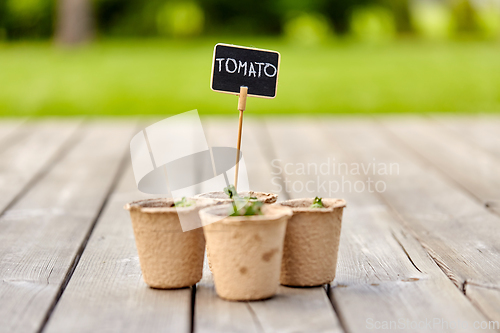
(169,257)
(311,242)
(245,251)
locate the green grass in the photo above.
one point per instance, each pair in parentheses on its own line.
(162,77)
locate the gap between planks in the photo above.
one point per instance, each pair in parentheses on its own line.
(26,150)
(119,173)
(372,248)
(106,290)
(462,152)
(35,261)
(456,150)
(455,270)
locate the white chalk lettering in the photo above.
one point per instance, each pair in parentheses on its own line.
(260,67)
(251,70)
(265,69)
(242,65)
(235,65)
(220,63)
(247,68)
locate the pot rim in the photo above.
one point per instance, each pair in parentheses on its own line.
(331,203)
(271,213)
(250,193)
(138,205)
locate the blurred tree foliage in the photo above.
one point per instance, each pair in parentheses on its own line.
(294,18)
(243,17)
(182,19)
(26,18)
(127,17)
(307,29)
(373,24)
(433,20)
(487,17)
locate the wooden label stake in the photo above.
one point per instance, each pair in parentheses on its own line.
(235,70)
(242,103)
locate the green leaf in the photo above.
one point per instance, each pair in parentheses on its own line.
(231,191)
(183,203)
(317,203)
(250,209)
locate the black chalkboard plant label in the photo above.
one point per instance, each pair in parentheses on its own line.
(234,67)
(244,71)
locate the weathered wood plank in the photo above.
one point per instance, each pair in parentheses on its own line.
(8,127)
(456,230)
(483,132)
(106,291)
(383,273)
(25,158)
(213,314)
(291,310)
(43,233)
(454,154)
(259,137)
(486,298)
(297,310)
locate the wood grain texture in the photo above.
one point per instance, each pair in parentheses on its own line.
(484,133)
(292,309)
(297,310)
(43,232)
(486,298)
(31,151)
(8,128)
(383,273)
(457,231)
(212,314)
(107,292)
(458,154)
(403,251)
(266,158)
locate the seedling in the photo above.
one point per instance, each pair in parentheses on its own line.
(250,208)
(317,203)
(231,191)
(232,194)
(183,203)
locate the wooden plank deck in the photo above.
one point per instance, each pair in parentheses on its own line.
(425,248)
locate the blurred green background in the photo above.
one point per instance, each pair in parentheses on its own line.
(124,57)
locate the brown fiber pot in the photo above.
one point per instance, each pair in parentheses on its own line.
(311,242)
(169,257)
(245,251)
(220,196)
